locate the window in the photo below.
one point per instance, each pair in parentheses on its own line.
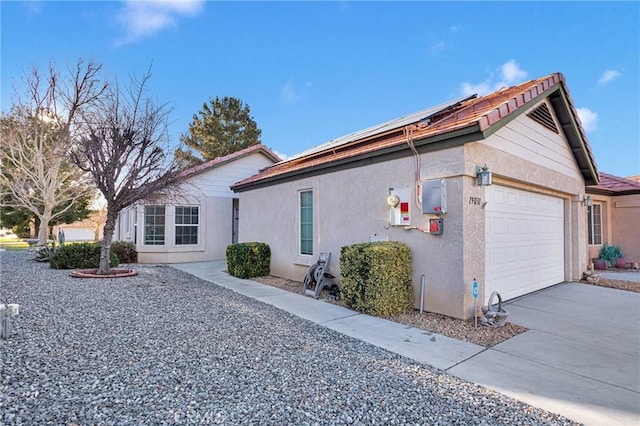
(594,218)
(306,222)
(186,225)
(154,225)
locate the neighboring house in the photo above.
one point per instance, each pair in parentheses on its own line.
(89,229)
(202,220)
(524,232)
(614,216)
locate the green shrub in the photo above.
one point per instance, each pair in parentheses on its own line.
(79,256)
(125,251)
(246,260)
(44,253)
(376,277)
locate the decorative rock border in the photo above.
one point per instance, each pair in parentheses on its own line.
(115,273)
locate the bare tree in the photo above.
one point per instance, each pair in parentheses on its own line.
(123,152)
(36,136)
(96,219)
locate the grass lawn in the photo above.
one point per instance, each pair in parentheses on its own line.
(13,244)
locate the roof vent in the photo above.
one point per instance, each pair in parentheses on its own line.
(543,116)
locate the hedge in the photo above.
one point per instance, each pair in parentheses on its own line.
(246,260)
(376,277)
(79,256)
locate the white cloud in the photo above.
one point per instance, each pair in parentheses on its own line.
(588,118)
(143,18)
(34,7)
(291,93)
(608,76)
(281,155)
(436,48)
(509,74)
(482,88)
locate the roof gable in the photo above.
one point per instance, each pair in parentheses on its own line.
(219,161)
(458,121)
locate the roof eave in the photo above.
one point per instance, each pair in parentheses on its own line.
(443,140)
(480,129)
(611,193)
(572,131)
(260,149)
(570,128)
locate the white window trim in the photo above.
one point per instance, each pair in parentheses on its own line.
(304,258)
(176,225)
(590,225)
(144,226)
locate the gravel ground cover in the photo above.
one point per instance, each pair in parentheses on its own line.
(167,348)
(619,284)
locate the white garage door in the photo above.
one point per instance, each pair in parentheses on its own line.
(78,234)
(524,241)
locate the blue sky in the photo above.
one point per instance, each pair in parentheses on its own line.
(314,71)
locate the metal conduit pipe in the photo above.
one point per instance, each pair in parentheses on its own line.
(421,293)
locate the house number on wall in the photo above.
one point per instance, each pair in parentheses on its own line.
(476,201)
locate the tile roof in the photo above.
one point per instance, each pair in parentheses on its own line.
(616,185)
(383,127)
(461,116)
(217,162)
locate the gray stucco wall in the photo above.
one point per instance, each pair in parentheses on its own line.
(350,207)
(215,234)
(620,218)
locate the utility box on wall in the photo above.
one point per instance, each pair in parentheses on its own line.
(436,226)
(434,196)
(399,201)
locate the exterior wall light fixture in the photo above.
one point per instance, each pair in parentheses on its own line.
(484,175)
(587,201)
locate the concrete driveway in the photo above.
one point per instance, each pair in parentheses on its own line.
(580,357)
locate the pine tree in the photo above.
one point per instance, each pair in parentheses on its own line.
(221,127)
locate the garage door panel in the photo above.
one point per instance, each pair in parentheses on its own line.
(524,241)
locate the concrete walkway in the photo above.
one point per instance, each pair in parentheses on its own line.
(433,349)
(625,276)
(580,357)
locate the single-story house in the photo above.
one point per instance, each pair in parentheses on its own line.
(613,216)
(200,222)
(422,179)
(89,229)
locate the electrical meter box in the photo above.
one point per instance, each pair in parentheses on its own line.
(399,201)
(434,196)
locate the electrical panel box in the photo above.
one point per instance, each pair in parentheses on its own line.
(399,202)
(435,226)
(434,196)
